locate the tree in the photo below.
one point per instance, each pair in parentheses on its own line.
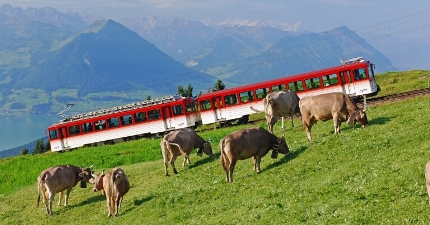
(185,93)
(39,147)
(47,146)
(219,85)
(24,151)
(148,98)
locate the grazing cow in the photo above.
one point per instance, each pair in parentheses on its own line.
(280,104)
(182,142)
(115,185)
(247,143)
(57,179)
(337,106)
(427,175)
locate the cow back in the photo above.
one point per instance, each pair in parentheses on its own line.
(186,138)
(60,178)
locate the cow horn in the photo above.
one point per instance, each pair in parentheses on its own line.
(91,166)
(103,172)
(209,140)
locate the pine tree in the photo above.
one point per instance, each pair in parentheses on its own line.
(185,93)
(219,85)
(39,147)
(24,151)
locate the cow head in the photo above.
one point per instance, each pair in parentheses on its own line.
(86,173)
(360,116)
(281,146)
(206,148)
(97,180)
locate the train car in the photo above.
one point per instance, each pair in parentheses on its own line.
(354,77)
(111,125)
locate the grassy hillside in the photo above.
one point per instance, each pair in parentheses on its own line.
(361,176)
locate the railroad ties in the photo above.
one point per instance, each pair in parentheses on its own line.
(130,106)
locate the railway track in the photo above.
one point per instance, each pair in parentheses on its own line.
(396,97)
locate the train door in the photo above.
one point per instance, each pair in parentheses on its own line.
(347,84)
(63,137)
(217,103)
(167,118)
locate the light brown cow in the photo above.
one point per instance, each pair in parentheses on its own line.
(247,143)
(57,179)
(115,185)
(182,142)
(280,104)
(337,106)
(427,175)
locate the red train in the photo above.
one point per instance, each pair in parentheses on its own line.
(156,117)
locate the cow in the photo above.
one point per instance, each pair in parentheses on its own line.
(57,179)
(115,185)
(280,104)
(182,142)
(427,176)
(247,143)
(337,106)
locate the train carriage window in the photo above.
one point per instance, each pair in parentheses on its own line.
(330,79)
(113,122)
(230,99)
(87,127)
(191,106)
(178,110)
(126,120)
(246,96)
(154,114)
(74,130)
(53,134)
(205,105)
(296,86)
(100,125)
(262,92)
(140,117)
(313,83)
(280,87)
(359,74)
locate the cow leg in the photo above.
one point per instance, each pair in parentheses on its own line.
(257,160)
(172,163)
(46,200)
(230,171)
(428,190)
(166,157)
(118,205)
(225,163)
(109,205)
(60,196)
(186,160)
(66,198)
(50,196)
(336,123)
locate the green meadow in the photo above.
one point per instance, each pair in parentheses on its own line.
(373,175)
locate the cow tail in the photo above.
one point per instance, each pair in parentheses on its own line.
(223,155)
(40,181)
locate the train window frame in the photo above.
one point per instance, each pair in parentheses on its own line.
(246,96)
(87,127)
(313,83)
(154,114)
(330,79)
(296,86)
(279,87)
(100,125)
(178,110)
(126,120)
(359,74)
(113,122)
(205,105)
(261,93)
(74,130)
(140,117)
(231,99)
(191,107)
(53,134)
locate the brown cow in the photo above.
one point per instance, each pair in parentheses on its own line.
(427,175)
(115,185)
(280,104)
(57,179)
(182,142)
(337,106)
(247,143)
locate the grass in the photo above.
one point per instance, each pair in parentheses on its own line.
(361,176)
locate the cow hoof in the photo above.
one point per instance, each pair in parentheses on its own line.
(176,172)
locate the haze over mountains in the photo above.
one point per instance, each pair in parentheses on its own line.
(49,58)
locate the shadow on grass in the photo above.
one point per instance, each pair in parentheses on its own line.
(206,159)
(285,159)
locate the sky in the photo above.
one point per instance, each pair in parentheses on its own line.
(303,15)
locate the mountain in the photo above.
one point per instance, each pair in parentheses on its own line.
(108,57)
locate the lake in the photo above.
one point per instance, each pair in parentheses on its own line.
(17,131)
